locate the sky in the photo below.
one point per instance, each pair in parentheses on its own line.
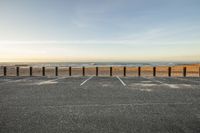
(99,30)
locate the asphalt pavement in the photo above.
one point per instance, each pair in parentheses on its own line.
(99,105)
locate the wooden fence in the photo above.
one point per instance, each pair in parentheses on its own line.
(101,71)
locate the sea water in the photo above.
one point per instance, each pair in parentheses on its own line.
(93,64)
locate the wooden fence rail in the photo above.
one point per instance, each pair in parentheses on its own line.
(124,71)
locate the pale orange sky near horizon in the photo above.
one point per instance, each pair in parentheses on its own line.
(24,52)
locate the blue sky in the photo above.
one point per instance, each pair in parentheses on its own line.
(99,30)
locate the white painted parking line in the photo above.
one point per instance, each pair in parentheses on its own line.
(121,81)
(86,80)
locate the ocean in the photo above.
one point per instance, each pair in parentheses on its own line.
(92,64)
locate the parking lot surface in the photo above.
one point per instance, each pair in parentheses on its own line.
(99,105)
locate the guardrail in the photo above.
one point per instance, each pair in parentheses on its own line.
(123,72)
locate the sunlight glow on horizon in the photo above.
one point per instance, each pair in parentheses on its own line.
(81,51)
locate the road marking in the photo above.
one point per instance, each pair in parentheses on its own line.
(169,85)
(148,90)
(86,80)
(121,81)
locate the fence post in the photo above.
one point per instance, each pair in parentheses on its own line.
(70,71)
(139,71)
(154,71)
(111,71)
(169,71)
(83,71)
(5,71)
(124,71)
(43,71)
(31,71)
(199,71)
(56,71)
(97,71)
(184,71)
(17,71)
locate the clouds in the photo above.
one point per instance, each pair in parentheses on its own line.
(101,30)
